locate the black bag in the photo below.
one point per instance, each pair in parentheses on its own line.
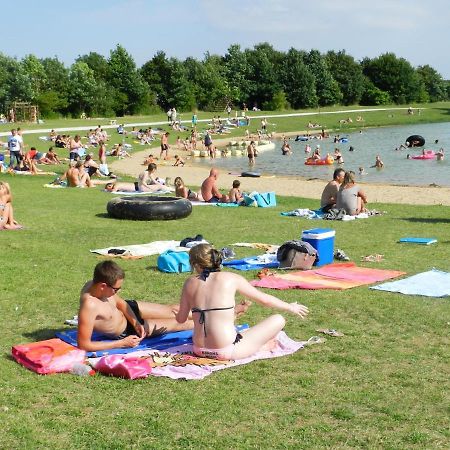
(297,255)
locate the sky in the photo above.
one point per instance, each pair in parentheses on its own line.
(417,30)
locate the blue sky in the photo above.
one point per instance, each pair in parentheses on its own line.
(416,30)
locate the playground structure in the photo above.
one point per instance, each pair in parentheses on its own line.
(22,112)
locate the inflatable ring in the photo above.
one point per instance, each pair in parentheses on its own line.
(149,208)
(415,141)
(250,174)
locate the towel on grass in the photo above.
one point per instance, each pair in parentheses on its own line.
(133,193)
(161,342)
(149,249)
(434,283)
(253,262)
(332,276)
(180,362)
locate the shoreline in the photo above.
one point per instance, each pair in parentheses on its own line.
(194,174)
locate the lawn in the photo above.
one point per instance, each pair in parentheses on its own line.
(383,385)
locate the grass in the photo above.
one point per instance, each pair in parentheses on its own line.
(383,385)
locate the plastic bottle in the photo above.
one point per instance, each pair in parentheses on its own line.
(81,369)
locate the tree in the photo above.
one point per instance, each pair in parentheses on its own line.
(132,93)
(348,74)
(374,96)
(82,88)
(35,72)
(393,75)
(236,71)
(98,63)
(433,83)
(155,73)
(327,89)
(262,76)
(298,81)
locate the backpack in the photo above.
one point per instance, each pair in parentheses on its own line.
(174,262)
(297,255)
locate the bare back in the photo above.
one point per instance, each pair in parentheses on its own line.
(217,291)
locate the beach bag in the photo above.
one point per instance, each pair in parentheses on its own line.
(50,356)
(266,199)
(249,199)
(296,255)
(174,262)
(130,367)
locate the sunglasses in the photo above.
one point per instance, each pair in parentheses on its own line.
(116,290)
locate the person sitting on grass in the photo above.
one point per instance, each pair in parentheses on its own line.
(7,221)
(350,197)
(76,176)
(184,192)
(330,192)
(148,182)
(125,322)
(235,194)
(209,296)
(209,190)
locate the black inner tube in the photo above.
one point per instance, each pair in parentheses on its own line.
(148,207)
(415,140)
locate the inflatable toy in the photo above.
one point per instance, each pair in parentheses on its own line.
(427,154)
(149,208)
(328,160)
(415,141)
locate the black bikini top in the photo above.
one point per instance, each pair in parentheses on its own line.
(202,319)
(205,273)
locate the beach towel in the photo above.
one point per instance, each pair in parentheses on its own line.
(179,362)
(152,248)
(434,283)
(417,240)
(253,262)
(162,342)
(49,356)
(332,276)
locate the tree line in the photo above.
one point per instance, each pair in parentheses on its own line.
(261,76)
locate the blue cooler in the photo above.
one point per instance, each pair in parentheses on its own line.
(322,239)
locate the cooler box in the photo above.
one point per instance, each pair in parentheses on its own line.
(322,239)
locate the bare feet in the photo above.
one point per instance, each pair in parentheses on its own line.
(270,345)
(242,307)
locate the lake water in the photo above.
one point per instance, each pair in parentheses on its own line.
(397,170)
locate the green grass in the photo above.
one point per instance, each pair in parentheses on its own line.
(383,385)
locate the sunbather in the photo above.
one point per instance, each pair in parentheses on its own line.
(7,221)
(126,322)
(210,297)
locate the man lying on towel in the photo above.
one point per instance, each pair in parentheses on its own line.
(126,322)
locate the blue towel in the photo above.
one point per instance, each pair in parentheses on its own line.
(158,343)
(416,240)
(247,264)
(434,283)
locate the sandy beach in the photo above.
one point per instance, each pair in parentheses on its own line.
(296,187)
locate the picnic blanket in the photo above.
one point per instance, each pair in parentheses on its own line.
(434,283)
(149,249)
(133,193)
(180,362)
(161,342)
(332,276)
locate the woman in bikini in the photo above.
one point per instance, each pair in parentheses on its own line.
(210,296)
(7,221)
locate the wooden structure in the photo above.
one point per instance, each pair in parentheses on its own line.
(22,112)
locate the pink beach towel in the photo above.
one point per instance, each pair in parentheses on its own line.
(180,362)
(332,276)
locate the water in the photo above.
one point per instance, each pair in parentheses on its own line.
(398,170)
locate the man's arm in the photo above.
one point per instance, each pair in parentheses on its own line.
(124,307)
(86,319)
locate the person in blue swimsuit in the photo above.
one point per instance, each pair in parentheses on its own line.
(209,296)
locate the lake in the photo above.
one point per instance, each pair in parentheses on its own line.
(397,170)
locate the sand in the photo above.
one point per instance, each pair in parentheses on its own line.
(287,186)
